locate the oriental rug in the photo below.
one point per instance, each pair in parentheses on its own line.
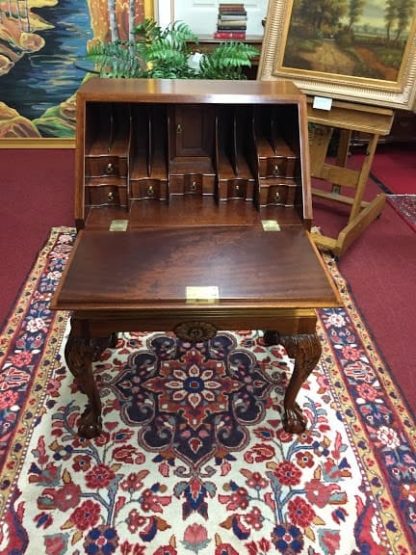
(193,458)
(405,206)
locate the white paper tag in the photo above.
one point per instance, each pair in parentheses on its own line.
(322,103)
(119,225)
(202,294)
(270,225)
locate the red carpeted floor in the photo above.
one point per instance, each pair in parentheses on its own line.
(37,193)
(395,166)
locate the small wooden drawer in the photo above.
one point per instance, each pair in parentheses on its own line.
(100,166)
(105,195)
(277,166)
(191,184)
(235,189)
(282,195)
(148,189)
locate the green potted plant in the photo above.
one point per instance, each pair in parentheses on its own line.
(169,53)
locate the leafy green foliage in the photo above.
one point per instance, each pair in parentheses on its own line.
(165,53)
(227,61)
(117,59)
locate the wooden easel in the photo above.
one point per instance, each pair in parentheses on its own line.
(347,117)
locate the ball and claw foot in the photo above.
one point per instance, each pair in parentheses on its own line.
(90,425)
(293,420)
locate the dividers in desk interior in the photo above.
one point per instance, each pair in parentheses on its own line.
(253,155)
(245,148)
(236,173)
(148,176)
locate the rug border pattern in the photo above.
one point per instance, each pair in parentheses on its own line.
(373,465)
(407,419)
(27,418)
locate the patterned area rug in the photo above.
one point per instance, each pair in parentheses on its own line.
(405,205)
(193,458)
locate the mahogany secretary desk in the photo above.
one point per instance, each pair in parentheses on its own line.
(193,210)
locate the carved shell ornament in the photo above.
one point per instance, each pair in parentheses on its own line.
(195,331)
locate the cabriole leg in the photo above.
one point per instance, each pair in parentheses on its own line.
(80,352)
(306,350)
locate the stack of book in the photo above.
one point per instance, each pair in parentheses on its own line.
(232,22)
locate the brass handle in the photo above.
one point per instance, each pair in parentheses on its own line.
(276,170)
(193,186)
(179,128)
(110,196)
(109,169)
(277,195)
(150,191)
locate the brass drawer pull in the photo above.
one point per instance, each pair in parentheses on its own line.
(110,196)
(239,190)
(109,169)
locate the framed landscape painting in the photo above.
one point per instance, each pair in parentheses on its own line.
(357,50)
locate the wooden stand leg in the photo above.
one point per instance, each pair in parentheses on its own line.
(80,352)
(347,118)
(306,350)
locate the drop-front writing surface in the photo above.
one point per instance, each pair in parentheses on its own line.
(225,148)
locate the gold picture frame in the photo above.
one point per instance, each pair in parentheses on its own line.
(360,52)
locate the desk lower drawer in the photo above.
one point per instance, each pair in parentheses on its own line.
(282,194)
(106,195)
(148,189)
(235,189)
(192,184)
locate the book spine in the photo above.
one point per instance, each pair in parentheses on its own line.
(233,12)
(232,9)
(237,35)
(231,27)
(232,17)
(236,6)
(232,21)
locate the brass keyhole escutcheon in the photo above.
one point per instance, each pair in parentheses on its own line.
(109,169)
(110,196)
(193,186)
(237,188)
(150,191)
(276,170)
(178,128)
(277,195)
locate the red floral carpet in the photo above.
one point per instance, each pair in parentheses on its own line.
(193,459)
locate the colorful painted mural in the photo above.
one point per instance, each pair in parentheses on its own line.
(41,44)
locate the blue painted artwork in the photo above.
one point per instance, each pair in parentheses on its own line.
(41,45)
